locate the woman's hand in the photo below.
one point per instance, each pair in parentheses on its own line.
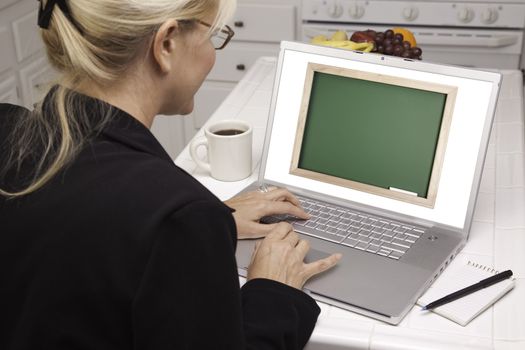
(280,257)
(250,207)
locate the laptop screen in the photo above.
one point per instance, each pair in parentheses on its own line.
(379,134)
(406,137)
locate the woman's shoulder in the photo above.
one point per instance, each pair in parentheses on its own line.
(8,108)
(127,175)
(10,112)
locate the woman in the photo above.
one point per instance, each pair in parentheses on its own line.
(104,242)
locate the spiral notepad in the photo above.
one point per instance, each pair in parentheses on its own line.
(465,309)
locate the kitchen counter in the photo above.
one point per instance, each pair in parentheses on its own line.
(497,236)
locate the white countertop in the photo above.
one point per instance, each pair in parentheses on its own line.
(497,237)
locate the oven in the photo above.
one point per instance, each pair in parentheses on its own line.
(474,33)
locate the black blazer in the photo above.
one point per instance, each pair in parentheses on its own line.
(125,250)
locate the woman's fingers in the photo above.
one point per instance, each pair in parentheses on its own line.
(280,231)
(281,194)
(292,237)
(278,207)
(321,265)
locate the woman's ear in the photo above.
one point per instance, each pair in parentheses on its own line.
(164,45)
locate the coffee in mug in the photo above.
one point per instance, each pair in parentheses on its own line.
(228,132)
(228,144)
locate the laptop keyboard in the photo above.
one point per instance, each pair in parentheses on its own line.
(353,229)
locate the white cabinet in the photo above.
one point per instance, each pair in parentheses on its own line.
(36,79)
(233,62)
(9,91)
(24,69)
(264,22)
(26,36)
(6,58)
(208,98)
(169,131)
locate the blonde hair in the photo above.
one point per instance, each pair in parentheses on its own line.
(106,38)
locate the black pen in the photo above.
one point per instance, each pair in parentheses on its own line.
(470,289)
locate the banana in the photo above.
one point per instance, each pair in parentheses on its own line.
(369,48)
(339,35)
(347,44)
(318,39)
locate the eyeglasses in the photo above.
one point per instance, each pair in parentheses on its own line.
(221,37)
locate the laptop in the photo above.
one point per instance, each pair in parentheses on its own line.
(386,154)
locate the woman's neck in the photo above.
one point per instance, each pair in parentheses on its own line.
(134,96)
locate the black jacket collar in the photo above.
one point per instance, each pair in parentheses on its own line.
(121,127)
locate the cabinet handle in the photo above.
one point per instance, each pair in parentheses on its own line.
(240,67)
(238,24)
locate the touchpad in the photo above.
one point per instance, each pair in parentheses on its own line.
(314,255)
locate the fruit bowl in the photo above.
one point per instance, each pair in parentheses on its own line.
(396,42)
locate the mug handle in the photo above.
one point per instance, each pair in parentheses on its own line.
(195,144)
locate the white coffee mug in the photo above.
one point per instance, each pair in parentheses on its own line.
(229,147)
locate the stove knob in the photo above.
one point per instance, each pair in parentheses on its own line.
(334,10)
(465,15)
(356,10)
(410,13)
(489,16)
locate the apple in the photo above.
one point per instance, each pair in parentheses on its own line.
(362,37)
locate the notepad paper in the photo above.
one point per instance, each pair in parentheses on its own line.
(465,309)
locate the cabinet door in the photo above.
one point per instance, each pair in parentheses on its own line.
(8,91)
(6,57)
(27,37)
(264,23)
(207,100)
(169,130)
(5,3)
(232,63)
(36,79)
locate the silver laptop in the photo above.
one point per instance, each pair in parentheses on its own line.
(386,154)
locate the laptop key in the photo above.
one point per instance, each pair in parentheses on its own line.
(364,233)
(346,221)
(332,223)
(394,248)
(331,230)
(401,236)
(350,242)
(365,239)
(395,255)
(354,236)
(321,235)
(361,245)
(372,248)
(414,233)
(375,235)
(384,252)
(400,244)
(300,222)
(311,224)
(388,233)
(368,221)
(342,226)
(342,233)
(386,239)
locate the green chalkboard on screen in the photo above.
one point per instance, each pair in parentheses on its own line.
(380,134)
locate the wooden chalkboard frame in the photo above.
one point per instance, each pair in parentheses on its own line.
(451,93)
